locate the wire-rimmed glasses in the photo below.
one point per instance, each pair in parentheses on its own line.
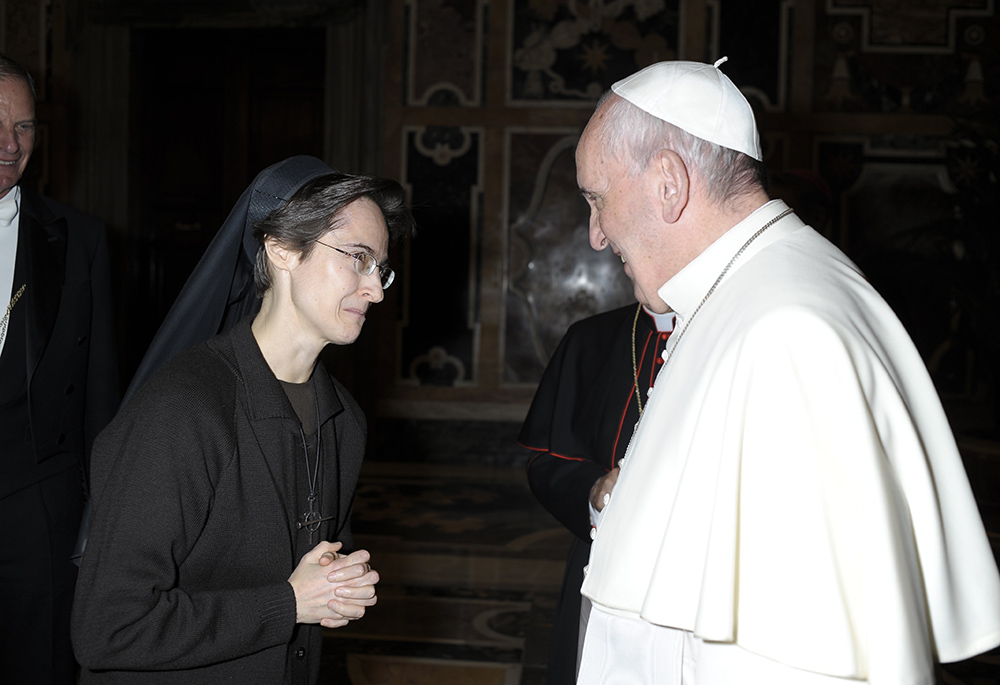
(365,264)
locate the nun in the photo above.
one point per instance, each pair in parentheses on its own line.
(220,544)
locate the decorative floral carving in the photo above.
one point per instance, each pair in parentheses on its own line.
(575,50)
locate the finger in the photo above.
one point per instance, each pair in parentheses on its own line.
(598,495)
(347,573)
(348,610)
(334,622)
(362,593)
(370,578)
(370,602)
(329,557)
(342,572)
(359,557)
(367,580)
(325,548)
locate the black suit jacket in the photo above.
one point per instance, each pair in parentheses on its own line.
(71,363)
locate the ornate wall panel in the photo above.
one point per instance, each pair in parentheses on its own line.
(568,52)
(870,111)
(914,88)
(445,52)
(439,334)
(932,57)
(554,276)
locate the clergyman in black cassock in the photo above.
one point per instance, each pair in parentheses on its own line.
(578,427)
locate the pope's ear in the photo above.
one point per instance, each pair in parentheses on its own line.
(673,185)
(279,254)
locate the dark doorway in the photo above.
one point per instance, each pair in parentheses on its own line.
(211,108)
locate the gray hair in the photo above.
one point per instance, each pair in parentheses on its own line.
(11,70)
(636,136)
(318,206)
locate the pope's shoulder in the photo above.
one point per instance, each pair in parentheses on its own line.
(803,281)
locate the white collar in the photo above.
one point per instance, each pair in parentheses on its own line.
(688,287)
(9,206)
(664,322)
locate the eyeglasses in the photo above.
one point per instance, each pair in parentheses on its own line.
(365,265)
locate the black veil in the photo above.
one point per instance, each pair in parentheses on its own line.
(220,291)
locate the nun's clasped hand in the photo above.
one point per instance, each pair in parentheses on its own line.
(333,589)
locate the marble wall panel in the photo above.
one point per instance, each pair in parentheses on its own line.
(855,100)
(445,45)
(567,52)
(891,56)
(554,276)
(440,329)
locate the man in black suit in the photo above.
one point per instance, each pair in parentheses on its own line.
(58,388)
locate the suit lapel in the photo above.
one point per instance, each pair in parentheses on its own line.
(45,238)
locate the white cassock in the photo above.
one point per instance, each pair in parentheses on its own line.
(793,495)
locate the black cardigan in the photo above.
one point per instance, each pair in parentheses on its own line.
(185,577)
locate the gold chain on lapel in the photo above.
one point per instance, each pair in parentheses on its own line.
(6,316)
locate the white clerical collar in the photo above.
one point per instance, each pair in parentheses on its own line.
(664,322)
(9,205)
(685,291)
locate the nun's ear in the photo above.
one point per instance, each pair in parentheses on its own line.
(279,254)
